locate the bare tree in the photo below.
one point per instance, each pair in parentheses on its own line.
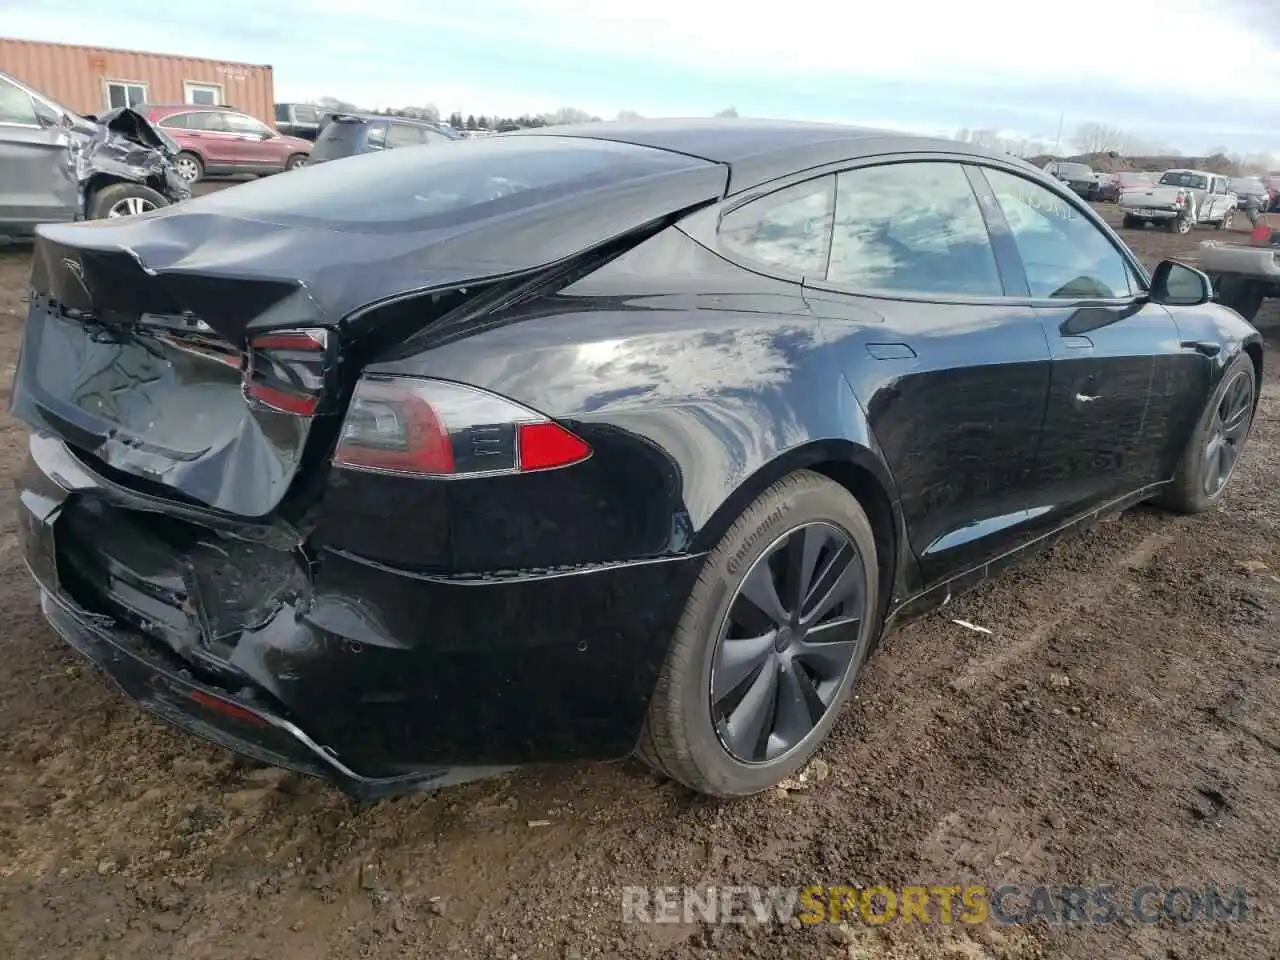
(727,112)
(629,115)
(567,115)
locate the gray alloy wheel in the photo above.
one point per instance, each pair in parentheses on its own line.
(1180,225)
(773,636)
(1213,450)
(1225,222)
(296,161)
(130,207)
(1227,432)
(188,167)
(788,641)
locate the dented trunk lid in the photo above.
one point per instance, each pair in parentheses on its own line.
(169,349)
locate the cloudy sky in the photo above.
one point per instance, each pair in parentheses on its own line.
(1195,73)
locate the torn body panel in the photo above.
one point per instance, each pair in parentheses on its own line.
(124,147)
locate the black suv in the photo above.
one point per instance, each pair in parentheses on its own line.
(349,134)
(300,120)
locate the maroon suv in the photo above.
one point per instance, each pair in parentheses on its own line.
(218,141)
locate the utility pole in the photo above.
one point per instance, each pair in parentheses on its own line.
(1057,141)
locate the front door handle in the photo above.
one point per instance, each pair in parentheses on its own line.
(1206,347)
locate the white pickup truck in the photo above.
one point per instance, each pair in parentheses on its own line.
(1180,200)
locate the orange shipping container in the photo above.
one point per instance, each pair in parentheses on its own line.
(94,79)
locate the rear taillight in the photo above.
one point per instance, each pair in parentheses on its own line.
(1180,199)
(434,428)
(285,370)
(1260,236)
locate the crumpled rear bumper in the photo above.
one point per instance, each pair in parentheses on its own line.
(163,684)
(379,679)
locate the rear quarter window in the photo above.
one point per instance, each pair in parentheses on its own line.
(429,189)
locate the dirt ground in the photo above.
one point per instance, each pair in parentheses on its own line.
(964,758)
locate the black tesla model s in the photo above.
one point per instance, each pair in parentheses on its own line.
(586,441)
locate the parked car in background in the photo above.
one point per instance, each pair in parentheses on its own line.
(1112,185)
(216,141)
(1272,181)
(1107,190)
(351,134)
(56,165)
(1078,176)
(1179,200)
(543,448)
(1250,187)
(302,120)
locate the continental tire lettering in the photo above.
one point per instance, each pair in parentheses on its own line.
(755,536)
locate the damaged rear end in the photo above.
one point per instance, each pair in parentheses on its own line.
(187,377)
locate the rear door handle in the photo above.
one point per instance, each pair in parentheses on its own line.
(1206,347)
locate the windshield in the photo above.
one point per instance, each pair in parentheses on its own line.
(424,188)
(1185,178)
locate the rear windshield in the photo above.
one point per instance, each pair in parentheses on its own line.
(343,138)
(1182,178)
(423,188)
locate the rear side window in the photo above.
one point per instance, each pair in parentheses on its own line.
(1065,256)
(282,112)
(305,114)
(788,231)
(434,189)
(210,122)
(912,227)
(179,122)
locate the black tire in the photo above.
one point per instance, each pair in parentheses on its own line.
(296,161)
(1181,224)
(1131,222)
(680,738)
(1241,294)
(1188,493)
(102,202)
(191,161)
(1225,222)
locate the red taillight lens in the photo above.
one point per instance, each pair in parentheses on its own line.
(1260,236)
(285,370)
(433,428)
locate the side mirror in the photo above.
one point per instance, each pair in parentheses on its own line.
(1175,284)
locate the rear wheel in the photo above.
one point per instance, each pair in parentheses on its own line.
(1214,449)
(1180,224)
(772,638)
(123,200)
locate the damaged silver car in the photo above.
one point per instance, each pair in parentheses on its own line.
(57,166)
